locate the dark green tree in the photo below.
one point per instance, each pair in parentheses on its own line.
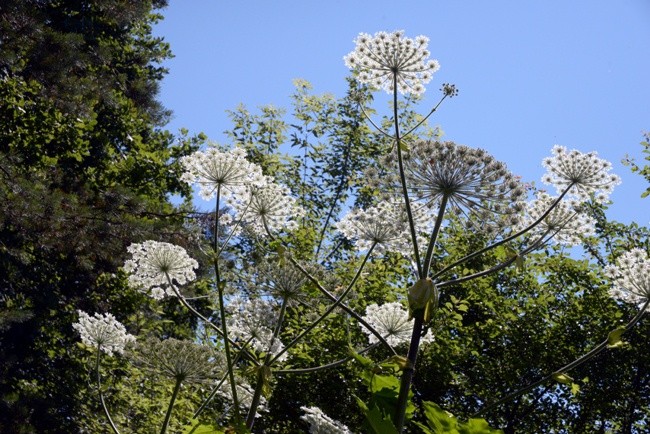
(85,169)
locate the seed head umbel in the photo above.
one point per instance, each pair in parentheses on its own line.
(229,170)
(473,182)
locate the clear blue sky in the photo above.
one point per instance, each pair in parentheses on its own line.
(531,74)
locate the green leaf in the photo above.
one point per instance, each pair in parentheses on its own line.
(440,420)
(614,338)
(379,423)
(562,378)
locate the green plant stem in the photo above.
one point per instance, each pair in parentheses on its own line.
(330,309)
(500,266)
(566,368)
(168,415)
(101,395)
(402,177)
(218,386)
(425,118)
(213,326)
(261,371)
(409,370)
(222,313)
(333,298)
(505,240)
(434,237)
(323,367)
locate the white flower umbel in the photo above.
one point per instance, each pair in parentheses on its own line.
(155,263)
(254,320)
(320,423)
(564,224)
(380,58)
(392,321)
(103,331)
(384,225)
(586,173)
(229,170)
(269,207)
(470,179)
(631,277)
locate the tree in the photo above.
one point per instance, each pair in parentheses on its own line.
(85,169)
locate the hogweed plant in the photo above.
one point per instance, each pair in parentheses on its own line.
(420,188)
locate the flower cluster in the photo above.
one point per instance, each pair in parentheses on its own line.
(103,332)
(320,423)
(268,208)
(586,174)
(253,321)
(154,265)
(388,58)
(631,275)
(564,223)
(470,180)
(215,169)
(383,225)
(392,321)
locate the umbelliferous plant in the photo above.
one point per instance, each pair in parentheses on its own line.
(281,272)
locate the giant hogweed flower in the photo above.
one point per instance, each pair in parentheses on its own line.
(631,275)
(384,225)
(268,207)
(392,321)
(228,170)
(586,173)
(154,264)
(384,56)
(471,181)
(253,321)
(320,423)
(564,223)
(103,331)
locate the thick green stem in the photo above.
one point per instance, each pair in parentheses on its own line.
(101,395)
(222,313)
(409,371)
(168,415)
(434,236)
(402,177)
